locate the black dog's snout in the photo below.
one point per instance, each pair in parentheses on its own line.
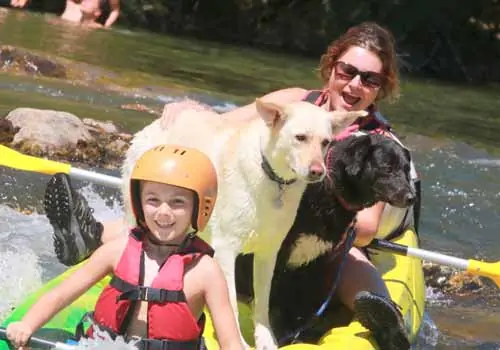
(403,198)
(409,198)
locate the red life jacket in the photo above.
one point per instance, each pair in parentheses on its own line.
(169,318)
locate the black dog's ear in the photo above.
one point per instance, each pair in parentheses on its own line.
(407,153)
(356,154)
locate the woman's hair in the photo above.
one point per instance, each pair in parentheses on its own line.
(374,38)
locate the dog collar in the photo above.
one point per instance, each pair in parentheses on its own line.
(348,206)
(271,174)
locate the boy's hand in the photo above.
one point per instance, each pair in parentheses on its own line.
(18,334)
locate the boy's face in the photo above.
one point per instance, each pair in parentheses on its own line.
(167,211)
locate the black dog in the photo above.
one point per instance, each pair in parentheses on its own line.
(362,170)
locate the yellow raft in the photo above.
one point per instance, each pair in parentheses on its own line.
(403,276)
(405,280)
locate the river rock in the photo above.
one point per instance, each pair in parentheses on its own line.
(7,131)
(64,137)
(117,147)
(15,59)
(140,108)
(100,126)
(47,130)
(451,281)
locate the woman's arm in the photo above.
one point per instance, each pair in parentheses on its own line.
(99,265)
(217,300)
(367,221)
(114,14)
(283,96)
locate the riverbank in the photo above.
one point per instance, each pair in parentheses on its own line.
(425,107)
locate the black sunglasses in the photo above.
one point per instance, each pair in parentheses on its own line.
(347,71)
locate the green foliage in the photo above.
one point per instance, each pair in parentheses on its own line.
(449,39)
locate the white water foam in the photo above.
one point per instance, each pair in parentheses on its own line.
(436,297)
(105,209)
(494,163)
(20,272)
(219,107)
(27,258)
(428,336)
(102,340)
(26,240)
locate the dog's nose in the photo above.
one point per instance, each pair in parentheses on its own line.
(316,172)
(409,199)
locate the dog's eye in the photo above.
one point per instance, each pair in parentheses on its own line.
(301,137)
(325,143)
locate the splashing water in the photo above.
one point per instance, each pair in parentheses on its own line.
(19,264)
(428,336)
(27,259)
(106,208)
(102,340)
(436,297)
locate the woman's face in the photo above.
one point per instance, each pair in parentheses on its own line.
(356,80)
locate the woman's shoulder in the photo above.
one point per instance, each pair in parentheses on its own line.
(288,95)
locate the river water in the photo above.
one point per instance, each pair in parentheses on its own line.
(461,184)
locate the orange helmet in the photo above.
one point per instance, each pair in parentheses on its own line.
(178,166)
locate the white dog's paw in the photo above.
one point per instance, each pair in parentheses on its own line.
(264,339)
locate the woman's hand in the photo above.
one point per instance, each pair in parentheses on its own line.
(367,221)
(18,334)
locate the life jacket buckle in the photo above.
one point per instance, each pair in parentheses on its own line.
(143,292)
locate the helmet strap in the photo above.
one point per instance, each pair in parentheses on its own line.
(187,240)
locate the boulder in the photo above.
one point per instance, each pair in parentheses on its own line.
(15,59)
(7,131)
(100,126)
(47,130)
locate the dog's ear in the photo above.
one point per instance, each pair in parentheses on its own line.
(341,120)
(271,113)
(407,153)
(356,153)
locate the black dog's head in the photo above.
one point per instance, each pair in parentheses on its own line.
(370,168)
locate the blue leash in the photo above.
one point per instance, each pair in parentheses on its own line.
(349,241)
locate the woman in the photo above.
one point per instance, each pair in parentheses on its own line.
(358,70)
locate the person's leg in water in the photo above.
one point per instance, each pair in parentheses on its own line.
(368,297)
(77,234)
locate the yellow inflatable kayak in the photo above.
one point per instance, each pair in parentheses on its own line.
(405,280)
(403,276)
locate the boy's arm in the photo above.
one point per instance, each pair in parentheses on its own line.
(99,265)
(217,299)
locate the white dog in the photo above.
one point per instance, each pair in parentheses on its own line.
(263,166)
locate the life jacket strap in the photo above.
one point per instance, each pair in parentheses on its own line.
(149,294)
(156,344)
